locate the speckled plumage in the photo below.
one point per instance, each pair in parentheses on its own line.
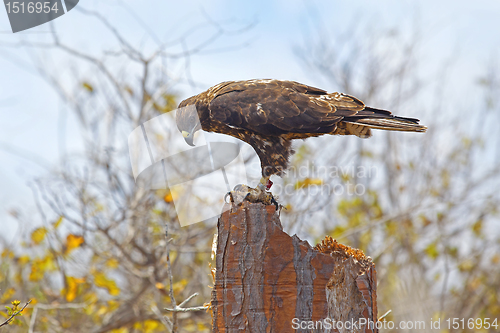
(268,114)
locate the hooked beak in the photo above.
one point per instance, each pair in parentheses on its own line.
(188,137)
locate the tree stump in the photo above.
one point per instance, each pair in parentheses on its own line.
(267,281)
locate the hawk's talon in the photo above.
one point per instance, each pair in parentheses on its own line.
(230,195)
(273,201)
(241,193)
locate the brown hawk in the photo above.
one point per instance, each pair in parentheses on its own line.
(268,114)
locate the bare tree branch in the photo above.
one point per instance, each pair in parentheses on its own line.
(14,314)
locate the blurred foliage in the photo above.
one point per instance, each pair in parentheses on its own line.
(425,207)
(97,258)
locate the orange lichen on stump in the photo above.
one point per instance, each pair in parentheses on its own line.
(330,245)
(268,281)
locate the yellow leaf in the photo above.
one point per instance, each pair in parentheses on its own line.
(308,182)
(202,327)
(7,294)
(87,86)
(477,227)
(445,176)
(345,177)
(168,197)
(7,254)
(38,235)
(112,263)
(39,266)
(191,327)
(129,90)
(71,291)
(475,283)
(147,326)
(102,310)
(18,277)
(113,305)
(102,281)
(466,266)
(97,208)
(171,196)
(57,223)
(178,286)
(466,142)
(73,242)
(495,259)
(24,259)
(425,221)
(119,330)
(15,303)
(452,251)
(432,250)
(90,298)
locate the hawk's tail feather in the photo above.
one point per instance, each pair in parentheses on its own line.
(391,124)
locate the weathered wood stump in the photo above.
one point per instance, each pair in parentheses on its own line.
(267,281)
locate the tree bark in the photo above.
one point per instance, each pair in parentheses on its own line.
(267,281)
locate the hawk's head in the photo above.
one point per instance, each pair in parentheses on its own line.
(188,121)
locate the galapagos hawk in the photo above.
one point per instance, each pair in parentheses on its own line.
(268,114)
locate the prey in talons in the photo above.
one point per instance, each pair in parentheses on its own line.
(260,193)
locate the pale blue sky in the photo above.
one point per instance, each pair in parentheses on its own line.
(29,109)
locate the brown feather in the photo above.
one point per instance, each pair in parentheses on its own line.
(267,114)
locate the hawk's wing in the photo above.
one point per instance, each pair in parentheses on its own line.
(273,107)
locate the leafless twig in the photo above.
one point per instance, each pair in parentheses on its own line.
(50,307)
(169,273)
(180,308)
(165,321)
